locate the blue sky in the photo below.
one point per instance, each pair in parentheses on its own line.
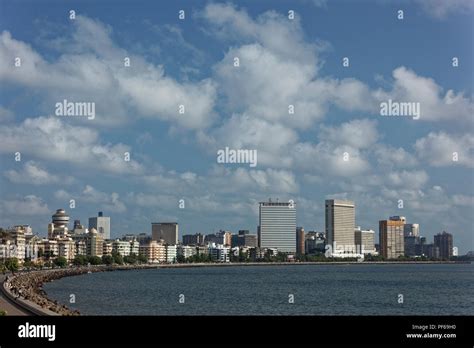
(283,62)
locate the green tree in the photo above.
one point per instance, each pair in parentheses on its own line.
(180,259)
(80,260)
(107,259)
(142,258)
(60,262)
(131,259)
(11,264)
(118,259)
(94,260)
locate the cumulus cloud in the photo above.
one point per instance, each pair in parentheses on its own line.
(91,65)
(438,148)
(52,139)
(435,104)
(107,201)
(34,173)
(24,206)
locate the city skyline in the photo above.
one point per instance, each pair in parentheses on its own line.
(349,236)
(144,146)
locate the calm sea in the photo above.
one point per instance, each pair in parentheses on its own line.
(436,289)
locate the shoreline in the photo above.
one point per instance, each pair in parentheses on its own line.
(25,289)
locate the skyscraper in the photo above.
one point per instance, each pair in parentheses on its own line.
(277,226)
(102,224)
(391,237)
(300,240)
(340,225)
(168,231)
(444,241)
(411,230)
(364,240)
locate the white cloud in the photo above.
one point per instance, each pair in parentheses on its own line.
(437,149)
(23,206)
(34,173)
(358,133)
(408,179)
(442,8)
(91,65)
(434,104)
(391,157)
(107,201)
(52,139)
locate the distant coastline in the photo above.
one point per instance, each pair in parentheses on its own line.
(25,288)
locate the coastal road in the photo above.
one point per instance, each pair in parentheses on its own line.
(7,305)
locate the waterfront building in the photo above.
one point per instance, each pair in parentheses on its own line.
(48,248)
(340,226)
(66,248)
(411,230)
(300,240)
(202,250)
(277,226)
(101,224)
(314,242)
(107,247)
(154,251)
(412,246)
(193,239)
(80,246)
(134,247)
(94,243)
(121,247)
(17,234)
(58,227)
(365,241)
(444,241)
(167,231)
(219,252)
(171,253)
(186,251)
(391,237)
(244,239)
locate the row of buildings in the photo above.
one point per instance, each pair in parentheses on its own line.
(277,231)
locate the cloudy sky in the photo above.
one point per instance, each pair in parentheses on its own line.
(282,62)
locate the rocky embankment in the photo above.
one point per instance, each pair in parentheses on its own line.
(29,286)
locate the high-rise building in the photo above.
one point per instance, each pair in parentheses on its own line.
(244,239)
(314,242)
(411,230)
(300,240)
(166,231)
(94,243)
(102,224)
(154,252)
(364,241)
(391,237)
(193,239)
(412,246)
(444,241)
(340,226)
(58,228)
(277,226)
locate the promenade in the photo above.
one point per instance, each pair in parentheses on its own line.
(7,305)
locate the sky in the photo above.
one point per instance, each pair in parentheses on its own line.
(336,144)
